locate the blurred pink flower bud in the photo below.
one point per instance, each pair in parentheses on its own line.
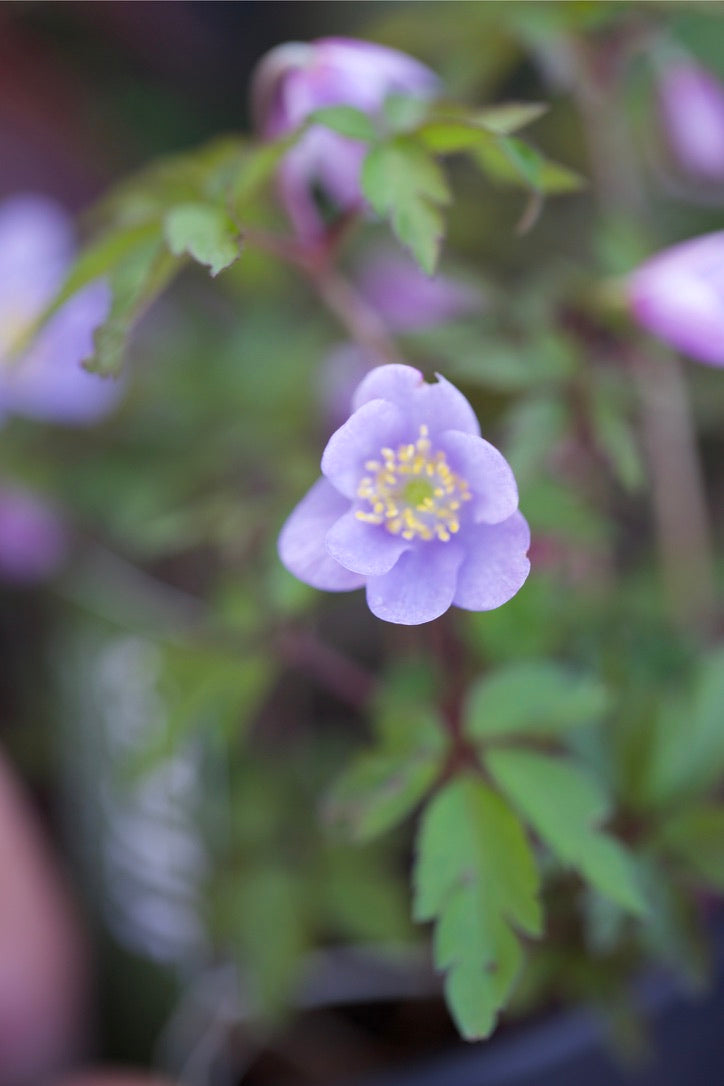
(47,381)
(33,541)
(295,79)
(105,1077)
(42,956)
(678,295)
(692,108)
(407,299)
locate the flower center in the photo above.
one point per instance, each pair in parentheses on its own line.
(413,492)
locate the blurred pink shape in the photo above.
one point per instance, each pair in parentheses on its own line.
(101,1077)
(691,100)
(408,300)
(43,977)
(678,295)
(33,541)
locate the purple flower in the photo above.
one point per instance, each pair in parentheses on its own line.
(46,381)
(407,299)
(295,79)
(32,539)
(679,296)
(413,504)
(692,108)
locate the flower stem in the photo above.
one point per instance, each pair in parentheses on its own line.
(677,489)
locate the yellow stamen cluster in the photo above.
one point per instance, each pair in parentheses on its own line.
(413,492)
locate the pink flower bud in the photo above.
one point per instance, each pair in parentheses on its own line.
(692,108)
(296,79)
(678,295)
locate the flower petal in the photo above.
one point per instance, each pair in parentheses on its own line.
(487,473)
(420,587)
(496,566)
(365,548)
(439,406)
(374,426)
(301,541)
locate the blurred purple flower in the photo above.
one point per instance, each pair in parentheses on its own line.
(413,504)
(32,539)
(691,100)
(407,299)
(46,381)
(295,79)
(678,295)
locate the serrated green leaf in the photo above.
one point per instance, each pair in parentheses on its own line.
(532,698)
(378,791)
(446,136)
(564,804)
(696,837)
(476,876)
(135,283)
(205,232)
(346,120)
(406,184)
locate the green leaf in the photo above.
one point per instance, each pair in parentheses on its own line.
(509,160)
(510,116)
(534,426)
(135,283)
(617,437)
(404,113)
(378,791)
(532,698)
(564,804)
(696,838)
(205,232)
(686,755)
(346,120)
(267,923)
(476,877)
(403,182)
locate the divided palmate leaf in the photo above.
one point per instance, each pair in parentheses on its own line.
(403,182)
(532,698)
(564,805)
(205,232)
(476,877)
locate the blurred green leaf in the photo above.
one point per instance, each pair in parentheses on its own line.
(205,232)
(534,698)
(476,877)
(508,117)
(403,182)
(696,837)
(135,283)
(404,113)
(378,791)
(564,805)
(686,752)
(557,510)
(617,436)
(346,120)
(365,896)
(534,425)
(509,160)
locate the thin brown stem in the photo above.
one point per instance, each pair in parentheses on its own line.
(360,320)
(344,678)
